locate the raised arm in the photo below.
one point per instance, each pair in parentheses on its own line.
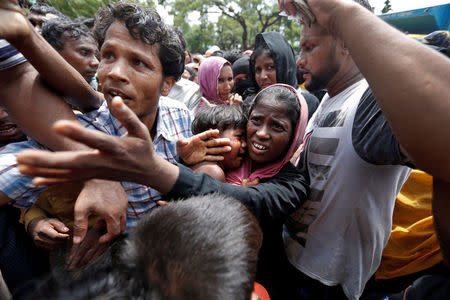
(36,107)
(52,68)
(410,81)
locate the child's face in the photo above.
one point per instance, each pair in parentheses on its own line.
(269,132)
(234,158)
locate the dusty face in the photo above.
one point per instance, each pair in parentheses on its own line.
(269,132)
(234,158)
(10,132)
(131,69)
(265,70)
(225,83)
(318,57)
(82,55)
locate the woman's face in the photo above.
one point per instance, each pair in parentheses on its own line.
(265,70)
(225,83)
(234,158)
(269,132)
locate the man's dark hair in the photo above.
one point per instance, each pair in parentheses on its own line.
(205,247)
(57,31)
(98,281)
(89,22)
(192,72)
(233,55)
(41,8)
(144,24)
(218,53)
(180,35)
(219,117)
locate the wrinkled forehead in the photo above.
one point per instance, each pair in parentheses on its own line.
(315,31)
(85,40)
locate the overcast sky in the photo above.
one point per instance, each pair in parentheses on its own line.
(397,5)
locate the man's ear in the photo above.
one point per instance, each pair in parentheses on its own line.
(167,85)
(344,49)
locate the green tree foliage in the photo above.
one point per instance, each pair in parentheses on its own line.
(227,23)
(85,8)
(387,7)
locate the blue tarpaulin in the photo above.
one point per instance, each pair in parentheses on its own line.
(423,21)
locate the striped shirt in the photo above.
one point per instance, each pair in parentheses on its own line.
(9,56)
(173,122)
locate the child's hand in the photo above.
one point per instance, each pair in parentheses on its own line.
(48,233)
(235,99)
(247,183)
(204,146)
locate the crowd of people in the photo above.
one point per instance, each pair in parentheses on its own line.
(155,173)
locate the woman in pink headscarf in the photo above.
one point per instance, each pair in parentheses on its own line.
(215,78)
(275,128)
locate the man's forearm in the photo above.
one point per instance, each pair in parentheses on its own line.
(410,82)
(58,73)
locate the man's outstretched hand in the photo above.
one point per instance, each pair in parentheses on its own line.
(130,157)
(124,158)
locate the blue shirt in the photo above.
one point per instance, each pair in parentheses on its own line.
(172,123)
(9,56)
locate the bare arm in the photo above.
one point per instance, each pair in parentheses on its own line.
(410,81)
(59,74)
(36,107)
(411,85)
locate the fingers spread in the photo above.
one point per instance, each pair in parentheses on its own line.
(205,135)
(114,228)
(218,142)
(128,119)
(41,181)
(80,225)
(219,150)
(92,138)
(213,158)
(58,160)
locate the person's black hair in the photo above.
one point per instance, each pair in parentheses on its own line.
(233,55)
(281,95)
(192,72)
(41,8)
(98,281)
(89,22)
(221,117)
(144,24)
(57,31)
(180,35)
(205,247)
(218,53)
